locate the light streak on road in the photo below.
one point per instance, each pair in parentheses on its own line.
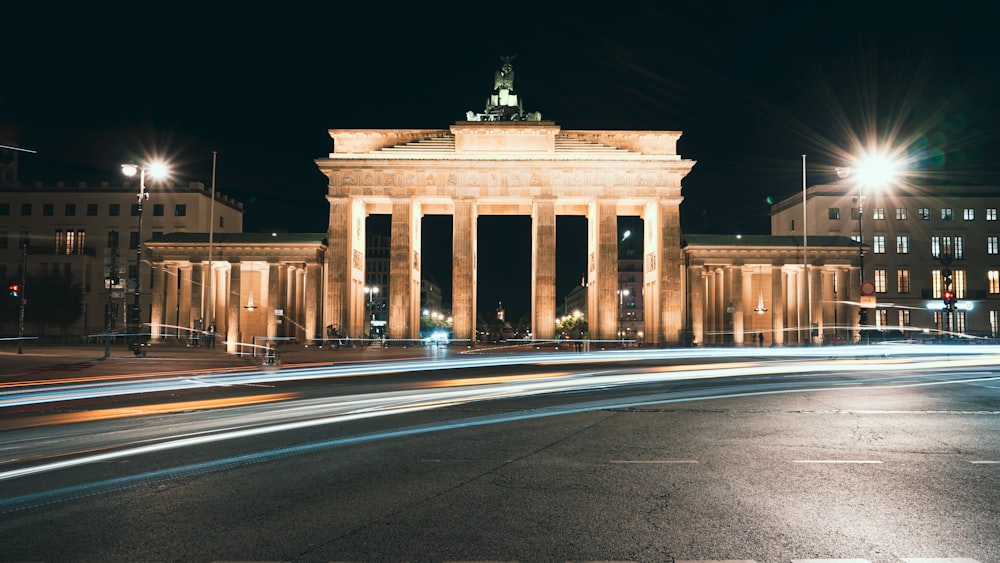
(758,361)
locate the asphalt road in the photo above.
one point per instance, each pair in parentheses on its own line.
(859,460)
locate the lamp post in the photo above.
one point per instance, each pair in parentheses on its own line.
(874,171)
(371,292)
(622,294)
(805,256)
(156,170)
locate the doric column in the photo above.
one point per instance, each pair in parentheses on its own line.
(197,294)
(463,270)
(664,298)
(170,312)
(404,270)
(721,320)
(843,297)
(345,272)
(735,275)
(748,302)
(696,285)
(233,309)
(298,298)
(184,299)
(795,312)
(157,293)
(543,269)
(602,257)
(311,304)
(854,296)
(778,305)
(273,298)
(829,302)
(818,299)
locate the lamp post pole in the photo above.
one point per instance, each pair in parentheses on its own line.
(805,256)
(158,169)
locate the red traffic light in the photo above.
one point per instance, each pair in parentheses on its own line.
(14,289)
(948,296)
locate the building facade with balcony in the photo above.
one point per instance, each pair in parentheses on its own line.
(89,234)
(909,234)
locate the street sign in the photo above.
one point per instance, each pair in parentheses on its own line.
(868,288)
(117,294)
(868,301)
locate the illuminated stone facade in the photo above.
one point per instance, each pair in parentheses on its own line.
(505,168)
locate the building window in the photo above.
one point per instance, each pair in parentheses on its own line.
(133,274)
(993,281)
(222,222)
(959,248)
(48,209)
(946,214)
(25,209)
(902,244)
(114,209)
(879,280)
(969,214)
(878,214)
(856,238)
(904,317)
(924,214)
(902,280)
(91,210)
(900,213)
(948,245)
(959,283)
(994,322)
(878,244)
(113,239)
(4,209)
(833,213)
(60,241)
(959,321)
(936,284)
(135,210)
(3,242)
(70,210)
(158,210)
(180,210)
(881,318)
(992,244)
(991,214)
(133,240)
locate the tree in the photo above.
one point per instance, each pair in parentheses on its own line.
(52,301)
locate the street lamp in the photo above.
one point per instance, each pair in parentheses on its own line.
(371,292)
(873,171)
(622,294)
(156,170)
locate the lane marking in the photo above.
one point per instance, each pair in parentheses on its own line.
(654,461)
(836,461)
(985,462)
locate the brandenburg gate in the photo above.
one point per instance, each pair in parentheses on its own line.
(505,167)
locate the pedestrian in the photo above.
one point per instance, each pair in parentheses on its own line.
(210,337)
(760,339)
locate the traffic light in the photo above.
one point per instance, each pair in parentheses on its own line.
(948,296)
(14,289)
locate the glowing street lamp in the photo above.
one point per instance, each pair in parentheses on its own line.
(156,170)
(874,171)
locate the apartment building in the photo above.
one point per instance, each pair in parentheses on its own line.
(90,234)
(912,235)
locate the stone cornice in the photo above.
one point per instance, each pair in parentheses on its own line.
(361,141)
(643,142)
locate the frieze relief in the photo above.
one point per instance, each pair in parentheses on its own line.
(596,179)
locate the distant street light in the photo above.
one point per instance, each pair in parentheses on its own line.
(156,170)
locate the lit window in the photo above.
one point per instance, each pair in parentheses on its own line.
(936,284)
(959,283)
(946,214)
(959,248)
(901,213)
(904,317)
(993,281)
(992,244)
(969,214)
(878,244)
(878,213)
(924,214)
(991,214)
(902,244)
(994,322)
(879,280)
(903,280)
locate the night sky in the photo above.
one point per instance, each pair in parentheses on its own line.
(753,86)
